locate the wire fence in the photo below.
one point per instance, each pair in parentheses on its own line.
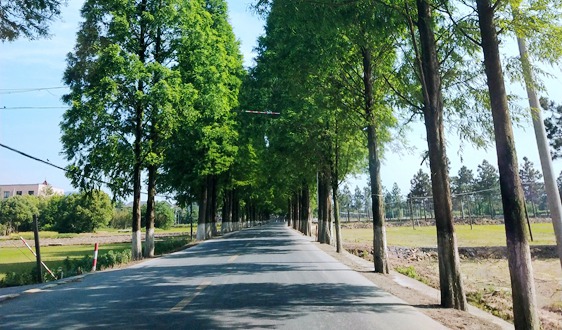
(466,207)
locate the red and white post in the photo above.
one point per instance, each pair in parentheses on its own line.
(95,257)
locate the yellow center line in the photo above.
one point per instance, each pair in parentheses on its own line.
(232,258)
(185,301)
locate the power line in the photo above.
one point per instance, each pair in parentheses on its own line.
(64,169)
(26,108)
(34,158)
(27,90)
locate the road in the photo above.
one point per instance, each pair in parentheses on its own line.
(267,277)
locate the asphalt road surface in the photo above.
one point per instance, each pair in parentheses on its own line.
(268,277)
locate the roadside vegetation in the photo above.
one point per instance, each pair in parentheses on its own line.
(18,266)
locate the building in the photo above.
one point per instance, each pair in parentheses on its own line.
(37,189)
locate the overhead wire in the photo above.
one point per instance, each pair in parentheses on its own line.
(27,90)
(64,169)
(25,108)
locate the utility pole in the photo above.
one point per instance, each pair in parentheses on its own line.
(37,250)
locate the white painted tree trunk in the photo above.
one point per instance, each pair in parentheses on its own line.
(149,243)
(204,231)
(136,245)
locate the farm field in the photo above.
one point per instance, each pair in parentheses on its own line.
(486,280)
(426,236)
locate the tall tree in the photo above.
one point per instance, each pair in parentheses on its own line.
(121,81)
(519,256)
(27,18)
(210,61)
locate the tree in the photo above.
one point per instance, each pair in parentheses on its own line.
(358,201)
(164,216)
(462,184)
(345,199)
(27,18)
(530,179)
(304,62)
(394,203)
(206,147)
(420,189)
(83,212)
(123,85)
(16,212)
(420,184)
(487,183)
(553,125)
(519,256)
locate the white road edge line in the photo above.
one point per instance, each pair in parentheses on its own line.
(185,301)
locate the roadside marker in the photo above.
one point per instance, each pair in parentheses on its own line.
(95,257)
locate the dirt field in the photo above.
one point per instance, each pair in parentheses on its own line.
(486,280)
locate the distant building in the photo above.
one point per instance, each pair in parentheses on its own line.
(37,189)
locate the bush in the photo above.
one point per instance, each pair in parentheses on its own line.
(25,278)
(169,245)
(122,218)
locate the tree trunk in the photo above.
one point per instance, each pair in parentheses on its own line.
(552,193)
(305,211)
(226,225)
(149,238)
(518,253)
(213,204)
(296,208)
(136,248)
(377,204)
(204,222)
(235,210)
(450,280)
(339,247)
(321,207)
(324,208)
(289,212)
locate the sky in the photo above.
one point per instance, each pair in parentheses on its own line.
(31,109)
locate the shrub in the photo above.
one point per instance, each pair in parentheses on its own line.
(169,245)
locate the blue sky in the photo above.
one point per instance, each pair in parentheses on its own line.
(30,121)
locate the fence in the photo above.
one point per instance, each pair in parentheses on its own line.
(466,206)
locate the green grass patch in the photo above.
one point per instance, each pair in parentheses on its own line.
(480,235)
(410,271)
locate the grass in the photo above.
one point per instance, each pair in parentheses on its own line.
(410,271)
(28,235)
(20,259)
(481,235)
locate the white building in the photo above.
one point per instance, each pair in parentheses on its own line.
(37,189)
